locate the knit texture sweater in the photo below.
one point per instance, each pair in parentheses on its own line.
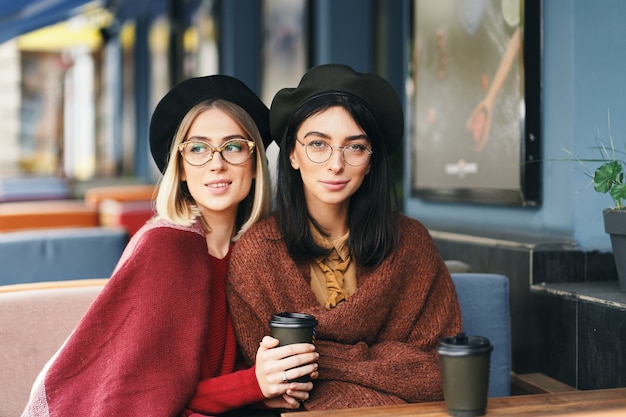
(147,345)
(377,347)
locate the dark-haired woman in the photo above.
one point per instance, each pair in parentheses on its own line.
(337,249)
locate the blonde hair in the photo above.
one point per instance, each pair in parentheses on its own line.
(175,204)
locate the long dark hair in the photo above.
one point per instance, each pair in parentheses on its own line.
(371,214)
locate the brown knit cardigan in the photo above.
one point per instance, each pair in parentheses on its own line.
(376,348)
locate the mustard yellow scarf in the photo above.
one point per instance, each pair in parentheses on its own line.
(333,276)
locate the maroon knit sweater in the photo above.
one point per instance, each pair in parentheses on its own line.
(157,336)
(376,348)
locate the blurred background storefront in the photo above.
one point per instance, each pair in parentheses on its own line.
(81,89)
(79,79)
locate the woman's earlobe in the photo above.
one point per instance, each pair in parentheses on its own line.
(294,162)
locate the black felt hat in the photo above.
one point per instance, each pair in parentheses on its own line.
(374,90)
(181,98)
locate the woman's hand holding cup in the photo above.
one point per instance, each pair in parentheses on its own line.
(278,366)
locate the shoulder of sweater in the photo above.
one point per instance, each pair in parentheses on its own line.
(414,236)
(261,242)
(263,229)
(162,244)
(411,224)
(164,227)
(161,234)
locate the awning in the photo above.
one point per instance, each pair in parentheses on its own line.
(22,16)
(79,31)
(18,17)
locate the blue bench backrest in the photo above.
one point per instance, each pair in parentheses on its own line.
(60,254)
(484,300)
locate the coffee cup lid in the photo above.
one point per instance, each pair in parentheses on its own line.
(464,345)
(287,319)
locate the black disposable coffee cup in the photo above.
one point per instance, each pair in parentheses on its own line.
(465,362)
(291,328)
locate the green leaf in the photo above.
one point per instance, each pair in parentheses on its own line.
(606,176)
(618,192)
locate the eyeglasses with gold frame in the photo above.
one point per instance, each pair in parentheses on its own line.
(198,152)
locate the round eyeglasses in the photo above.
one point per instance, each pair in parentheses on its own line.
(198,152)
(353,154)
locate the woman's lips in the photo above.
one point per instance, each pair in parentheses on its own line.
(334,185)
(218,187)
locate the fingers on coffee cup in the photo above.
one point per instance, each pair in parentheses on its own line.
(465,362)
(291,328)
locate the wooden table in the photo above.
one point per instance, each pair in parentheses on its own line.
(606,402)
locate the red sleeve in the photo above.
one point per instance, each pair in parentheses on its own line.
(226,392)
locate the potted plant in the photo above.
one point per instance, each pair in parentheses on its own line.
(609,178)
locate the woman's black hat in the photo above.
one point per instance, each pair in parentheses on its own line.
(374,90)
(181,98)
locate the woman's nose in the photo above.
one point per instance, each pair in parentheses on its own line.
(336,162)
(217,162)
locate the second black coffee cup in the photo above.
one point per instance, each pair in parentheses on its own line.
(465,363)
(291,328)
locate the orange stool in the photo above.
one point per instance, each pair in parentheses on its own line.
(128,192)
(46,214)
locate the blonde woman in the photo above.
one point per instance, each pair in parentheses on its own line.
(158,340)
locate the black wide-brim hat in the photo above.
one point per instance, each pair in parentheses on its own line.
(182,97)
(373,89)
